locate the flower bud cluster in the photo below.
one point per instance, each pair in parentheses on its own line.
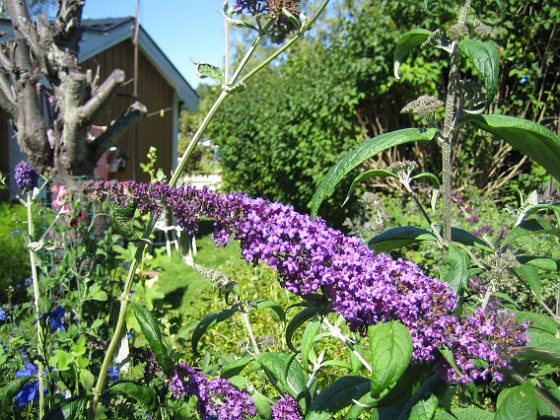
(365,288)
(26,176)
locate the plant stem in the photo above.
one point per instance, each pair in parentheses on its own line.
(36,293)
(337,334)
(450,125)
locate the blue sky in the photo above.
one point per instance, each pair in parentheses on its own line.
(183,29)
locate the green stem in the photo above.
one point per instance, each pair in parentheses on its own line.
(37,294)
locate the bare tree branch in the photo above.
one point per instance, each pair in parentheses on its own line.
(117,128)
(102,95)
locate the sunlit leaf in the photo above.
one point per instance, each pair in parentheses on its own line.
(391,352)
(143,394)
(531,139)
(485,58)
(518,403)
(454,268)
(410,40)
(287,371)
(204,70)
(370,148)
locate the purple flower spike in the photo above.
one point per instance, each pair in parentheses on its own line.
(26,176)
(286,409)
(314,260)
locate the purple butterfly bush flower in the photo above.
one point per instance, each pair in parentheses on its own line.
(217,397)
(322,264)
(26,176)
(286,409)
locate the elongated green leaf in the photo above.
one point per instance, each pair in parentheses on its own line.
(338,395)
(408,235)
(518,403)
(287,371)
(142,394)
(308,338)
(542,322)
(424,409)
(530,227)
(454,268)
(528,137)
(262,404)
(430,177)
(275,306)
(360,154)
(541,355)
(8,392)
(530,275)
(391,352)
(73,408)
(296,322)
(207,322)
(399,237)
(486,60)
(365,175)
(410,40)
(448,356)
(150,328)
(235,367)
(122,220)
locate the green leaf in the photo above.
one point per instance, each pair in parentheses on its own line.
(72,408)
(288,372)
(207,322)
(204,70)
(543,322)
(87,379)
(307,340)
(141,394)
(424,409)
(122,220)
(407,235)
(360,154)
(530,275)
(454,268)
(8,392)
(448,356)
(430,177)
(518,403)
(365,175)
(530,227)
(296,322)
(391,352)
(262,404)
(339,394)
(150,328)
(528,137)
(275,306)
(410,40)
(486,60)
(399,237)
(234,368)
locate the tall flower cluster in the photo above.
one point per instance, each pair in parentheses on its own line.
(217,397)
(278,11)
(26,176)
(314,259)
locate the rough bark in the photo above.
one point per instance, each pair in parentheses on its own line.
(48,51)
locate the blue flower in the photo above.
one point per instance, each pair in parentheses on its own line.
(55,318)
(14,232)
(2,315)
(30,390)
(27,394)
(113,373)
